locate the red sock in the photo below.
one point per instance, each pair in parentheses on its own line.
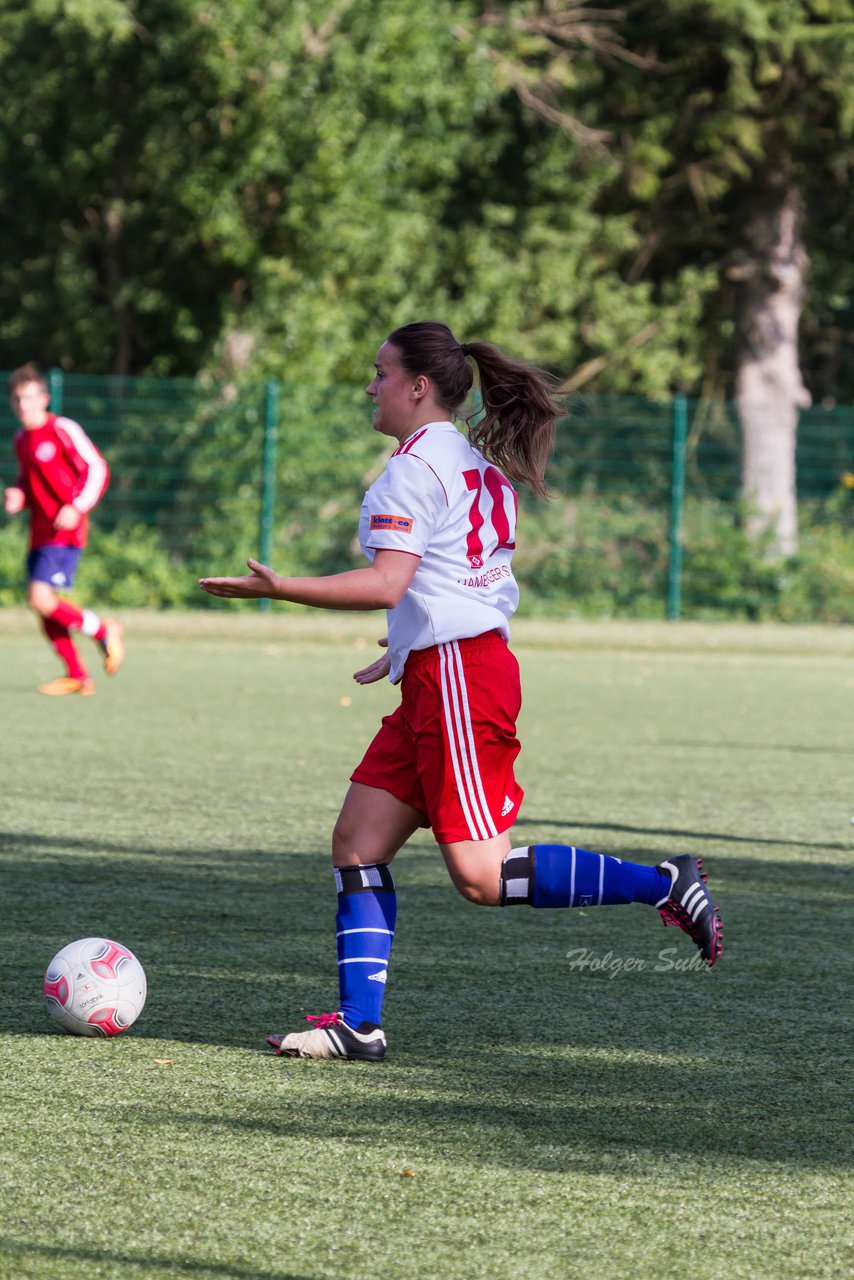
(58,636)
(67,615)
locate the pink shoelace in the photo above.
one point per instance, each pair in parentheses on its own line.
(322,1020)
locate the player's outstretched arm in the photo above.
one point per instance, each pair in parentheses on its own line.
(381,585)
(259,585)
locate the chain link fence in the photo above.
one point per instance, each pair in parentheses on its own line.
(645,518)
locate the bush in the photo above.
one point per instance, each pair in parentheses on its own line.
(724,573)
(605,556)
(597,557)
(728,576)
(818,585)
(591,556)
(13,551)
(126,568)
(130,569)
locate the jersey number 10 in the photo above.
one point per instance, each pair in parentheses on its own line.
(505,536)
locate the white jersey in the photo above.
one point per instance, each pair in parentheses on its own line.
(439,499)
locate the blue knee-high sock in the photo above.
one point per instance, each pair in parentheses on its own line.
(559,875)
(367,909)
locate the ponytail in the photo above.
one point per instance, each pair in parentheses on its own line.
(515,427)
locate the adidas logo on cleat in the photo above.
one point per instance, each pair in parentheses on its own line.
(332,1038)
(689,907)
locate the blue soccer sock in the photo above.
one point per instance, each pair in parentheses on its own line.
(559,875)
(367,909)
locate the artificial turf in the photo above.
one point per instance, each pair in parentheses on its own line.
(566,1095)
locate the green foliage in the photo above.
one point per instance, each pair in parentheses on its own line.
(596,556)
(734,100)
(301,180)
(127,568)
(819,583)
(329,455)
(725,573)
(13,552)
(130,569)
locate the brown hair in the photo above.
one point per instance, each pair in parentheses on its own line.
(515,427)
(27,373)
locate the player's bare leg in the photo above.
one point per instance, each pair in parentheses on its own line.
(373,826)
(475,867)
(42,598)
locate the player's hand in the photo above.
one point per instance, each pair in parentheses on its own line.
(260,584)
(67,517)
(15,500)
(378,670)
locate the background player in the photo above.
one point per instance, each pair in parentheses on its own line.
(439,529)
(61,476)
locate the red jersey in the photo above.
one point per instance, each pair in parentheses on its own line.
(58,465)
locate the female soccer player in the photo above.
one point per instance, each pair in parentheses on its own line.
(438,529)
(61,476)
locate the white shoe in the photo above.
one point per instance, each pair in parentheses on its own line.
(332,1038)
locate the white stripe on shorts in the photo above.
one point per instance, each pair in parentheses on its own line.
(463,749)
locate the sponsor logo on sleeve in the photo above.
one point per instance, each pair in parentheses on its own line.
(392,524)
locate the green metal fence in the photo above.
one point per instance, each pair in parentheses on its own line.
(213,473)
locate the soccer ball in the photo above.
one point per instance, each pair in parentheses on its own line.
(95,987)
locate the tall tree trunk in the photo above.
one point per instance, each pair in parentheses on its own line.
(769,276)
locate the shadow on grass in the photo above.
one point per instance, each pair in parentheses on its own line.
(678,833)
(501,1050)
(27,1250)
(555,1117)
(217,930)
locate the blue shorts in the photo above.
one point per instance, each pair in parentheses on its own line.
(54,565)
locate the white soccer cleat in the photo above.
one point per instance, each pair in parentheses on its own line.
(332,1038)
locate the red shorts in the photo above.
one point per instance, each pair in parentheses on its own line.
(449,748)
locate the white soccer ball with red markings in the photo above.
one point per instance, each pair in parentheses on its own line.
(95,987)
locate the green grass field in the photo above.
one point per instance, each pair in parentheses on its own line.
(537,1117)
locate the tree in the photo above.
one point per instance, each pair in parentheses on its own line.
(119,146)
(230,183)
(269,189)
(629,196)
(768,272)
(737,157)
